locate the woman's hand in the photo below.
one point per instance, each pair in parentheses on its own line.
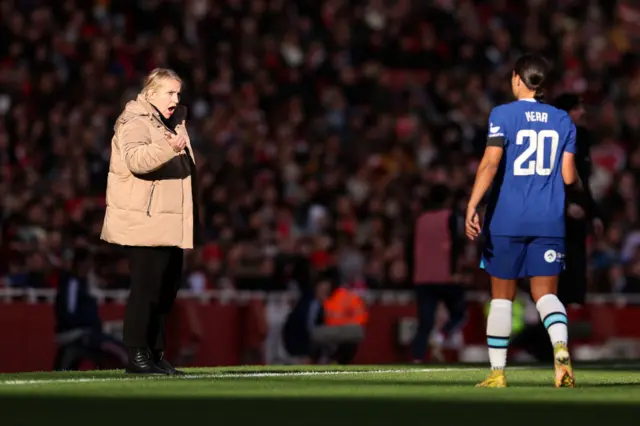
(177,142)
(472,223)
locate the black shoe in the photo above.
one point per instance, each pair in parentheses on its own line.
(141,362)
(163,364)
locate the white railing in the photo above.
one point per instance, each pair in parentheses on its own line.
(387,297)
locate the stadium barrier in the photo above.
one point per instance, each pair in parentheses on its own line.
(235,327)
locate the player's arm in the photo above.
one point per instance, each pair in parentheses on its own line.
(484,178)
(574,188)
(492,157)
(486,173)
(569,170)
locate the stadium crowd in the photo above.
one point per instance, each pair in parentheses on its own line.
(319,126)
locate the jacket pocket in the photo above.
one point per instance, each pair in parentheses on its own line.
(153,188)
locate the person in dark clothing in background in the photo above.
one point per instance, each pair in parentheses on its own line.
(580,212)
(437,248)
(79,332)
(307,314)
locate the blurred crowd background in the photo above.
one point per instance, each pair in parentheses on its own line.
(320,126)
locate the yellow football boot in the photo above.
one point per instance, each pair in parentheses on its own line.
(496,379)
(562,362)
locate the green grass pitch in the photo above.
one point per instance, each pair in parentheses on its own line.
(321,395)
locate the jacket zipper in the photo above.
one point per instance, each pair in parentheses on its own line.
(153,187)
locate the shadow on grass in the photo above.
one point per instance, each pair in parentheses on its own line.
(35,409)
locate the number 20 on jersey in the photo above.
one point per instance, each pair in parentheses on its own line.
(525,165)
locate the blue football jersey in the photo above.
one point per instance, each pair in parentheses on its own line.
(528,196)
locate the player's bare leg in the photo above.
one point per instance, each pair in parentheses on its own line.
(554,317)
(503,289)
(499,330)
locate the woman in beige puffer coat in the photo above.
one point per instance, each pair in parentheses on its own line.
(151,212)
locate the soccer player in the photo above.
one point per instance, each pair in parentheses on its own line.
(528,160)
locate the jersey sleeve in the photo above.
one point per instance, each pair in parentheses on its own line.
(571,139)
(497,128)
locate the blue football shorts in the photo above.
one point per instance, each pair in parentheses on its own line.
(511,258)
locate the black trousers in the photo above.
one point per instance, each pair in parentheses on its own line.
(427,298)
(156,275)
(572,287)
(534,339)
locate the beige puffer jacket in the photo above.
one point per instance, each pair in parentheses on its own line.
(149,188)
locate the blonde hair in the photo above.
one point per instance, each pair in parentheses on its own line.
(153,81)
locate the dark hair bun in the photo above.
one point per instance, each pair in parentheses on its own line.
(532,69)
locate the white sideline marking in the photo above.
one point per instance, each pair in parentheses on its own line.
(222,375)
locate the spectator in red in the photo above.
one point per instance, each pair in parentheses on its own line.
(436,277)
